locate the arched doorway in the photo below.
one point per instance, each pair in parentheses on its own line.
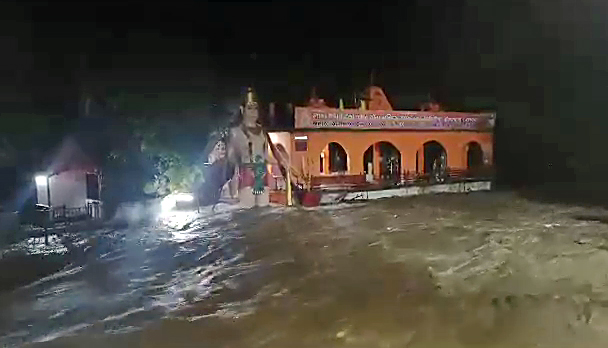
(368,161)
(383,160)
(474,155)
(333,159)
(435,161)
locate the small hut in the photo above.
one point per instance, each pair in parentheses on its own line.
(71,186)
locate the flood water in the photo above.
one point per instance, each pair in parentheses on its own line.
(476,270)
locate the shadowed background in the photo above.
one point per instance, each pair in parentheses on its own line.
(540,65)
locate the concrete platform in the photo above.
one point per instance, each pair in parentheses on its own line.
(463,187)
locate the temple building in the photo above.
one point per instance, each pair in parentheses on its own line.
(376,144)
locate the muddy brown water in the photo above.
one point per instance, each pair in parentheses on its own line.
(477,270)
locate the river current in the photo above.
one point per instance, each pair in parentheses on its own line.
(472,270)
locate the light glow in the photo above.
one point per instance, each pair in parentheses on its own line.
(183,197)
(170,201)
(167,203)
(301,137)
(41,180)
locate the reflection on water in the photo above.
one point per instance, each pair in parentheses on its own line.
(479,270)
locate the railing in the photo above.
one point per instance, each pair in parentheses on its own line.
(397,179)
(94,210)
(318,181)
(277,183)
(451,175)
(69,214)
(63,214)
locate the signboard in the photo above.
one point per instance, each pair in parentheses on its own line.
(406,120)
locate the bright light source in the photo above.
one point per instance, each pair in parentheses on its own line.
(183,197)
(301,137)
(170,201)
(40,180)
(167,203)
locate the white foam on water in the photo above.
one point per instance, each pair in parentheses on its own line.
(55,276)
(123,315)
(58,314)
(123,330)
(61,333)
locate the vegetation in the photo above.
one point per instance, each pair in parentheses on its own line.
(164,141)
(306,175)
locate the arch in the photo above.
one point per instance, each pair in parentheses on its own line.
(334,159)
(435,160)
(384,159)
(474,155)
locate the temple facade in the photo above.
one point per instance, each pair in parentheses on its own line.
(375,143)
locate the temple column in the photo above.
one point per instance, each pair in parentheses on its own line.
(377,158)
(408,160)
(420,159)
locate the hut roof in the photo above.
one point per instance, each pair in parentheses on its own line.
(70,156)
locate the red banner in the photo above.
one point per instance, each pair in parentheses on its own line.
(373,119)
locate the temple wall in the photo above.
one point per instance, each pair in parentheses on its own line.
(409,143)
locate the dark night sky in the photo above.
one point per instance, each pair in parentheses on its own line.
(296,45)
(541,64)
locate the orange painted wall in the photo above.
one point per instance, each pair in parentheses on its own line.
(407,142)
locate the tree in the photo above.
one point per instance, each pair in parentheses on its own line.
(164,138)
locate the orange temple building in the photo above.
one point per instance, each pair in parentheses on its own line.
(375,143)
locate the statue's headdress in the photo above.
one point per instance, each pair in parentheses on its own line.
(251,100)
(249,103)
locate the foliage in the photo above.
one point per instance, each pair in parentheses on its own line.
(306,175)
(165,142)
(173,174)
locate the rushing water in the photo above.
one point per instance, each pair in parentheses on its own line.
(478,270)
